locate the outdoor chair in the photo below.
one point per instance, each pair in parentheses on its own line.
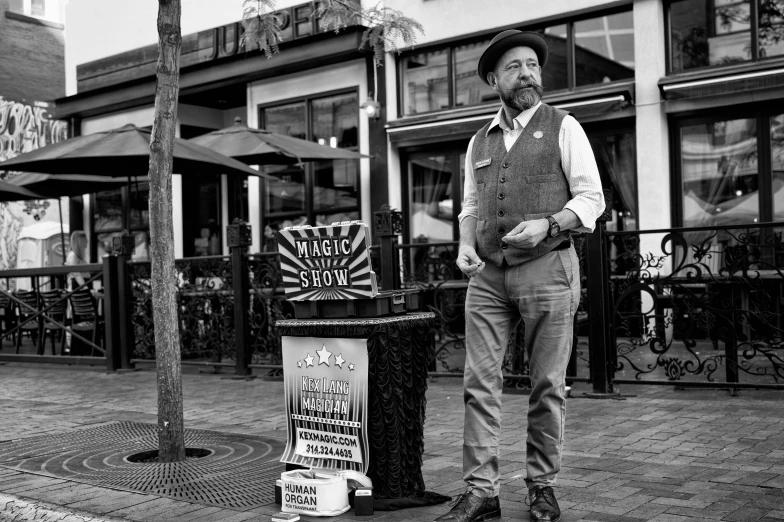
(7,317)
(86,317)
(55,302)
(25,310)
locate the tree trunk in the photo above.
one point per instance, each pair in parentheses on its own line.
(171,440)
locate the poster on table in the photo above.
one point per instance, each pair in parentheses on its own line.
(326,262)
(326,389)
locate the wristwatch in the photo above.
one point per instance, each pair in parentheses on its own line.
(554,229)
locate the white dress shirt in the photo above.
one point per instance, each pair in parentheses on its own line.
(577,161)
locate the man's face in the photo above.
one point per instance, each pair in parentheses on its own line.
(517,78)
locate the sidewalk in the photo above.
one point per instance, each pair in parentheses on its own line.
(664,455)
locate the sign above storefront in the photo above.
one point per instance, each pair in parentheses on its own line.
(328,262)
(296,22)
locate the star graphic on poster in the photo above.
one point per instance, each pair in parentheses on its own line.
(339,360)
(351,366)
(299,364)
(324,355)
(309,360)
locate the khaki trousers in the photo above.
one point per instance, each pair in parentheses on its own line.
(544,293)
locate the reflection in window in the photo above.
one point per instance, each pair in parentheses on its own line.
(323,191)
(431,197)
(777,165)
(202,232)
(720,175)
(615,157)
(604,49)
(286,193)
(286,119)
(109,218)
(705,33)
(425,82)
(554,75)
(469,87)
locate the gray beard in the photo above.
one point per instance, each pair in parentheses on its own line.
(521,98)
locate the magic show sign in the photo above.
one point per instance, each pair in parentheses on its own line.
(326,389)
(328,262)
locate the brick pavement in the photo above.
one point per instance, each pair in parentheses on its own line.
(663,456)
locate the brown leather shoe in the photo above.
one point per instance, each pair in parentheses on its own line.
(544,507)
(470,508)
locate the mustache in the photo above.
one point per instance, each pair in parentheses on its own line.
(525,85)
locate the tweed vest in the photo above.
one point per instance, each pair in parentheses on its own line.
(524,184)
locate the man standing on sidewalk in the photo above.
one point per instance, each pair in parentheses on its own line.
(531,179)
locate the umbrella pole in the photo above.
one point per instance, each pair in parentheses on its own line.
(62,233)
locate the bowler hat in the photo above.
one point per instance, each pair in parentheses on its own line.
(504,41)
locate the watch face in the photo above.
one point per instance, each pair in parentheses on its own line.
(554,229)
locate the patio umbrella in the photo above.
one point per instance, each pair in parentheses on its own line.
(121,153)
(262,147)
(11,192)
(56,186)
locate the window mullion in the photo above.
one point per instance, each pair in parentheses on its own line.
(764,164)
(450,74)
(571,71)
(754,23)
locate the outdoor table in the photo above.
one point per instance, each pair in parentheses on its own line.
(398,354)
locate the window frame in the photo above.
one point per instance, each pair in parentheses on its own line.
(711,10)
(453,149)
(762,116)
(308,166)
(536,25)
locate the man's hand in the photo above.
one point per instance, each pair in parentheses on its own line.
(527,234)
(468,261)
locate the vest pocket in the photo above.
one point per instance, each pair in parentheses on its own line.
(480,187)
(541,179)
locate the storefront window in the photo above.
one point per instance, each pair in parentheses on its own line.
(425,82)
(321,192)
(555,75)
(777,165)
(720,173)
(287,119)
(604,49)
(720,32)
(431,178)
(616,159)
(469,87)
(202,232)
(110,219)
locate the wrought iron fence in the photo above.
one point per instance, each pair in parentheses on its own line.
(431,268)
(697,306)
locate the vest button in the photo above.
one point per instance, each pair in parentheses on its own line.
(500,213)
(504,246)
(500,230)
(505,165)
(501,196)
(502,180)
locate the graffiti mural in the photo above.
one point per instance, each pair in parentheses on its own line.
(27,127)
(23,128)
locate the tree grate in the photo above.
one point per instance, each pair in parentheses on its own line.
(240,473)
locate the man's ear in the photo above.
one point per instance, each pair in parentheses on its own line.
(491,79)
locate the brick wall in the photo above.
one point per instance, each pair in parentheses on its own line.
(32,58)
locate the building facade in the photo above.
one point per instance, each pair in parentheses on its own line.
(32,74)
(682,100)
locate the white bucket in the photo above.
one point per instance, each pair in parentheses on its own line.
(315,495)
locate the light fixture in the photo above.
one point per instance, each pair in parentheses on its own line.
(371,107)
(738,192)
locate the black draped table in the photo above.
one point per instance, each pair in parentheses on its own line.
(399,350)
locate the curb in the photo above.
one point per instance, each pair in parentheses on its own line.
(17,510)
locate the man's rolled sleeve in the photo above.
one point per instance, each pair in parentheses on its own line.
(469,187)
(581,171)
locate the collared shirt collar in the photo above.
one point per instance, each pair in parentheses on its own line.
(522,119)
